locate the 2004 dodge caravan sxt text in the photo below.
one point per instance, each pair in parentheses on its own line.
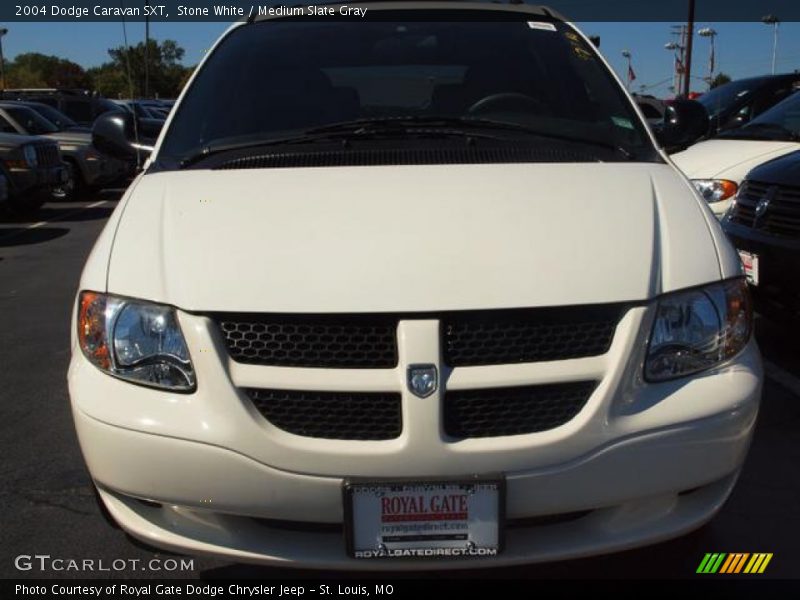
(411,291)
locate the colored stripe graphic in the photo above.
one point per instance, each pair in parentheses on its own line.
(765,563)
(741,562)
(731,560)
(715,566)
(758,563)
(734,563)
(711,562)
(721,562)
(703,563)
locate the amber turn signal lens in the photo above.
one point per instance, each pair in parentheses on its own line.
(92,328)
(728,189)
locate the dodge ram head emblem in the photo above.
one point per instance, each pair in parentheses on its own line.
(762,206)
(422,380)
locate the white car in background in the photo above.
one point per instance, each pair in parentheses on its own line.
(718,166)
(346,317)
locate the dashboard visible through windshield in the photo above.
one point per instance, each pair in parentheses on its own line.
(271,80)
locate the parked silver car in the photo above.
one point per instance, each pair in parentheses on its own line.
(86,166)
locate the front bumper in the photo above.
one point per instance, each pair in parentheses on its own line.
(644,462)
(104,170)
(778,291)
(40,180)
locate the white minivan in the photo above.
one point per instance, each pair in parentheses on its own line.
(718,166)
(410,291)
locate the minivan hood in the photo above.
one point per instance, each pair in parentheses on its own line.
(728,158)
(411,238)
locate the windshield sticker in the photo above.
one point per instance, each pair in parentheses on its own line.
(622,122)
(572,36)
(581,53)
(541,25)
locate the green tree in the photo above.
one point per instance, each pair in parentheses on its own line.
(33,69)
(166,73)
(720,79)
(110,81)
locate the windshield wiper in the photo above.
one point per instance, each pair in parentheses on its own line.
(467,125)
(331,133)
(390,127)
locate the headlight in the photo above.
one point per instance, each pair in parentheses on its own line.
(698,329)
(135,340)
(715,190)
(30,156)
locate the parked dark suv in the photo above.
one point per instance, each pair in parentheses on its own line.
(81,106)
(33,167)
(764,225)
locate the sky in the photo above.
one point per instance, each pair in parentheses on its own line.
(742,49)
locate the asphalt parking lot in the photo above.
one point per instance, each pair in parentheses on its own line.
(49,508)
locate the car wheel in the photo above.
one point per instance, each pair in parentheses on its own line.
(70,189)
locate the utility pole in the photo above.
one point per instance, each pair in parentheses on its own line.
(678,47)
(3,32)
(774,21)
(147,50)
(710,33)
(689,38)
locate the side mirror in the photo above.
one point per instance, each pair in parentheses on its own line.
(685,122)
(739,119)
(114,133)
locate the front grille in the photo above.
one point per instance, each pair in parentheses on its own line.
(528,335)
(354,342)
(782,214)
(469,338)
(331,415)
(513,411)
(48,155)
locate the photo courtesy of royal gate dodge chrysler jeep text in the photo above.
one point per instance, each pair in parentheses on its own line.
(417,290)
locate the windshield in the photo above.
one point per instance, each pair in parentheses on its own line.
(723,97)
(55,116)
(269,79)
(781,122)
(32,122)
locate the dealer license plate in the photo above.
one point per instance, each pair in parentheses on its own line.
(429,519)
(750,263)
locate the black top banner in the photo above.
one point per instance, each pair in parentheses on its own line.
(235,10)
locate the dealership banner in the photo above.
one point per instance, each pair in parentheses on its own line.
(234,10)
(446,585)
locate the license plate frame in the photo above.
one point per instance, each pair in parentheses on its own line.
(431,546)
(751,266)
